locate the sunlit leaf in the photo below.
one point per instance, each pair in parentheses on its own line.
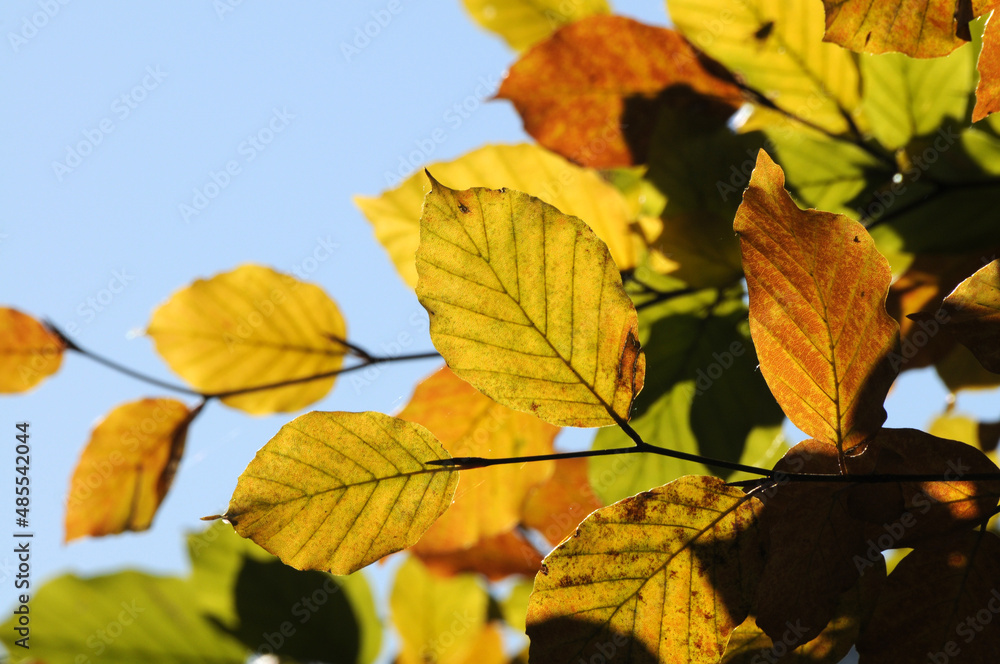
(580,192)
(515,607)
(775,45)
(988,88)
(918,28)
(663,576)
(526,304)
(973,311)
(439,620)
(495,557)
(817,311)
(592,91)
(126,468)
(337,491)
(938,604)
(522,23)
(556,507)
(28,351)
(252,327)
(467,423)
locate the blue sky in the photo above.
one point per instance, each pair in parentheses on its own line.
(149,144)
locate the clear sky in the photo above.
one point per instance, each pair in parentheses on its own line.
(114,118)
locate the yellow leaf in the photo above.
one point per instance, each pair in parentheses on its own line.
(817,289)
(251,327)
(777,46)
(526,304)
(580,192)
(127,468)
(439,620)
(28,352)
(337,491)
(521,23)
(467,423)
(972,313)
(663,576)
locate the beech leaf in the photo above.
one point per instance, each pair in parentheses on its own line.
(526,304)
(127,468)
(663,576)
(522,23)
(988,87)
(29,352)
(817,289)
(250,327)
(973,311)
(337,491)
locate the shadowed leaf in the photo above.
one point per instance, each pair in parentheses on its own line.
(591,92)
(28,352)
(522,23)
(252,326)
(526,304)
(579,192)
(127,468)
(663,576)
(974,311)
(817,311)
(337,491)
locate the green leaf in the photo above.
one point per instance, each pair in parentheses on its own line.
(526,304)
(337,491)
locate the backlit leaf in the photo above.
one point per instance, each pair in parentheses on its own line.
(251,327)
(28,351)
(526,304)
(918,28)
(988,88)
(467,423)
(664,576)
(775,45)
(337,491)
(592,91)
(580,192)
(127,467)
(938,604)
(521,23)
(556,507)
(817,311)
(495,557)
(974,314)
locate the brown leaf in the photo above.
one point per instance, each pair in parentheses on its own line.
(127,467)
(591,92)
(988,88)
(938,605)
(817,289)
(496,557)
(974,314)
(28,351)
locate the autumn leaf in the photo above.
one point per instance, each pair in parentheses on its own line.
(592,91)
(937,604)
(252,327)
(495,557)
(665,576)
(337,491)
(127,468)
(988,87)
(467,423)
(526,304)
(973,311)
(522,23)
(579,192)
(918,28)
(817,290)
(775,45)
(29,352)
(557,507)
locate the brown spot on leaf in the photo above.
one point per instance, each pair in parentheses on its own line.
(463,208)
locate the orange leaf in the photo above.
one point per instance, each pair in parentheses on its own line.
(591,92)
(488,500)
(496,557)
(918,28)
(817,311)
(127,468)
(28,351)
(974,314)
(988,88)
(557,507)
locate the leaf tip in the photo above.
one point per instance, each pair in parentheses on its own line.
(215,517)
